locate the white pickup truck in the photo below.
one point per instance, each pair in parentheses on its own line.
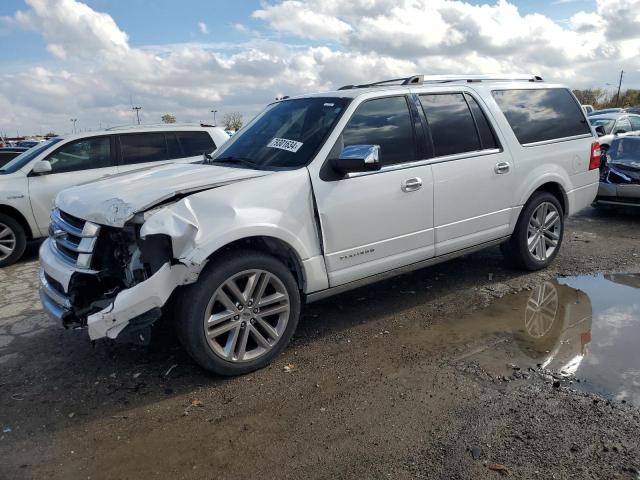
(30,182)
(317,195)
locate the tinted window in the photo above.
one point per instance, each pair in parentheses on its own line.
(143,147)
(286,135)
(451,124)
(622,125)
(88,153)
(24,158)
(625,151)
(635,123)
(606,123)
(195,143)
(384,122)
(536,115)
(173,146)
(6,156)
(487,137)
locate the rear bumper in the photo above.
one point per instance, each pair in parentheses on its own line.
(582,197)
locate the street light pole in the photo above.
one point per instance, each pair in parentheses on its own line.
(137,109)
(619,85)
(74,120)
(214,117)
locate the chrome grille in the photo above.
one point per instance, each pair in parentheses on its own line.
(73,239)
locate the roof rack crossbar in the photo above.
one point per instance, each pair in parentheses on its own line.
(420,79)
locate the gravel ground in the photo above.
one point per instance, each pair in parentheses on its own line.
(381,382)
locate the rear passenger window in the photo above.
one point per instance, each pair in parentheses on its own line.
(487,137)
(142,148)
(451,124)
(385,122)
(195,143)
(536,115)
(173,146)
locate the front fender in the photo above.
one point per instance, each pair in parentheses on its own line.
(278,205)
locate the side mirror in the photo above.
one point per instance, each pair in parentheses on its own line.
(42,166)
(357,158)
(600,131)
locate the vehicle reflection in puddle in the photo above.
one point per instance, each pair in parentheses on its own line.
(586,327)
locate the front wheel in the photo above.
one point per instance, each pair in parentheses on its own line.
(13,240)
(538,234)
(240,314)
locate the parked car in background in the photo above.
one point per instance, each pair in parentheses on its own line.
(611,125)
(588,109)
(635,110)
(30,182)
(320,194)
(620,173)
(606,110)
(9,153)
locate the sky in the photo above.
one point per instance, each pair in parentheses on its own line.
(94,60)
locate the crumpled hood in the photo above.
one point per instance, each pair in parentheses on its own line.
(115,200)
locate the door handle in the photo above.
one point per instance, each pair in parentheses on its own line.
(411,184)
(502,167)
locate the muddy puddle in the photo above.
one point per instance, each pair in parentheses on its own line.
(584,331)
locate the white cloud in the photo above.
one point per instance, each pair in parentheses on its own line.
(203,27)
(95,70)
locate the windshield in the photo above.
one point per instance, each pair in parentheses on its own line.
(607,123)
(287,135)
(625,151)
(24,158)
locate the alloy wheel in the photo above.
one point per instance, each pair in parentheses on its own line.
(7,241)
(247,315)
(543,232)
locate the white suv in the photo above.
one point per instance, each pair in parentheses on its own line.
(30,182)
(317,195)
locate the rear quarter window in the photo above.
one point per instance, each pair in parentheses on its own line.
(537,115)
(195,143)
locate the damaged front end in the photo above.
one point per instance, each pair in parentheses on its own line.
(112,280)
(620,173)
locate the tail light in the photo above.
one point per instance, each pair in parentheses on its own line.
(596,156)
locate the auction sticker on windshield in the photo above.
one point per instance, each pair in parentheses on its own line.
(284,144)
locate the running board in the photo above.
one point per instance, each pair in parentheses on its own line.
(313,297)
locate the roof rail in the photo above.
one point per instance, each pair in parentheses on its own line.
(157,125)
(420,79)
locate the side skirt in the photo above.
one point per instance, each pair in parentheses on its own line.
(313,297)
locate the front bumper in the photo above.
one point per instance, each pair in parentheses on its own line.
(132,303)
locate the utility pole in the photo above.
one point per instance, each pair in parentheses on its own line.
(137,109)
(619,85)
(74,120)
(214,117)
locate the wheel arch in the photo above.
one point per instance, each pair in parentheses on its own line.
(17,216)
(552,185)
(270,245)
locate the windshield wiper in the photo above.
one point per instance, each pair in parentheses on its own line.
(236,160)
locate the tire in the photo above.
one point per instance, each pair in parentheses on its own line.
(13,240)
(549,237)
(233,320)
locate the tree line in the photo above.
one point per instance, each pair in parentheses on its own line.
(601,98)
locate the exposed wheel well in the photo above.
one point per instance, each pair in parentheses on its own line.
(272,246)
(15,214)
(557,191)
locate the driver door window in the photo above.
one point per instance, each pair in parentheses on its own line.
(622,126)
(84,154)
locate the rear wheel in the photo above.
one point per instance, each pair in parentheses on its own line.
(538,234)
(13,240)
(240,314)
